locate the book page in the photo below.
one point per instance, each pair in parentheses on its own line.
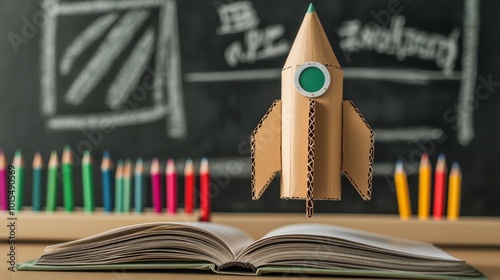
(160,241)
(404,247)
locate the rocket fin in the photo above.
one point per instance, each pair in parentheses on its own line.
(265,144)
(358,141)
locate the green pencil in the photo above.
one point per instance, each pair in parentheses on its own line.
(18,163)
(52,182)
(87,182)
(119,187)
(127,185)
(67,173)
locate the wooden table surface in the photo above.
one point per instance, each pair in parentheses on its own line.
(474,239)
(487,260)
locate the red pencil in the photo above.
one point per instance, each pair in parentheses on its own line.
(439,188)
(188,186)
(204,191)
(171,180)
(156,185)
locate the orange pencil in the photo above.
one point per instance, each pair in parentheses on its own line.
(402,193)
(439,187)
(455,183)
(424,188)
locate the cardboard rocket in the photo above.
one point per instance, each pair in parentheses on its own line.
(311,135)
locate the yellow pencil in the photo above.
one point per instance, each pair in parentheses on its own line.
(402,193)
(424,188)
(454,190)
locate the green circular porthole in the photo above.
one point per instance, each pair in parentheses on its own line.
(312,79)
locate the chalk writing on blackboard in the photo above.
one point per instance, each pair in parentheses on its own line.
(258,43)
(116,26)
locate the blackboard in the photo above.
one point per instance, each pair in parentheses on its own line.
(178,79)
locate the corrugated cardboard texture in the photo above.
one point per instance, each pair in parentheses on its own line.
(357,148)
(265,145)
(310,158)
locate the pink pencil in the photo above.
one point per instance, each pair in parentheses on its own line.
(3,182)
(171,187)
(156,185)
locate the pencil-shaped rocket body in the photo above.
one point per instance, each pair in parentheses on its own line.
(311,134)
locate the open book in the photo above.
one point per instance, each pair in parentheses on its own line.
(301,248)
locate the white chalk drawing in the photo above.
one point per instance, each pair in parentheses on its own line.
(400,41)
(131,71)
(118,23)
(258,43)
(91,34)
(236,17)
(240,167)
(470,42)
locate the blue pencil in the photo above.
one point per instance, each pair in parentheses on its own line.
(139,190)
(107,177)
(36,201)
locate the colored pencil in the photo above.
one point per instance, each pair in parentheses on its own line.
(127,185)
(171,182)
(188,186)
(139,191)
(52,182)
(156,185)
(87,182)
(18,163)
(119,187)
(36,195)
(67,174)
(439,188)
(455,185)
(3,182)
(424,188)
(106,177)
(402,193)
(204,191)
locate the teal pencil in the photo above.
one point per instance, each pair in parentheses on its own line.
(139,190)
(36,197)
(127,185)
(18,163)
(52,182)
(87,182)
(119,187)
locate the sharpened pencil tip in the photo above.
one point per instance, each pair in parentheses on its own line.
(424,157)
(455,165)
(18,153)
(67,148)
(441,157)
(399,167)
(105,154)
(311,8)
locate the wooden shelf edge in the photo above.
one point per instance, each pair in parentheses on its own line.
(60,226)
